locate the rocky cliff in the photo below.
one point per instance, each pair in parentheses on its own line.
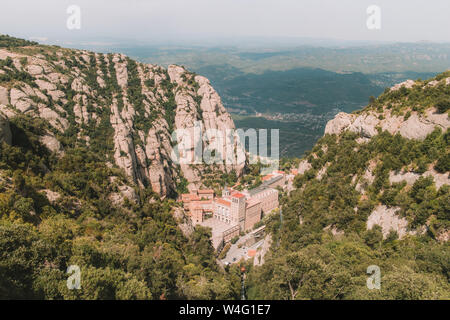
(87,176)
(397,144)
(123,109)
(374,192)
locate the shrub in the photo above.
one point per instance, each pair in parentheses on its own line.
(224,251)
(443,163)
(443,105)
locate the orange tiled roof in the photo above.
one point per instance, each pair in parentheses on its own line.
(189,197)
(203,201)
(206,191)
(237,194)
(200,203)
(267,177)
(251,253)
(223,202)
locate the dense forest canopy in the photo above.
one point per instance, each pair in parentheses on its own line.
(308,261)
(322,246)
(131,252)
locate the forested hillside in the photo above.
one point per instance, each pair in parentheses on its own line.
(124,110)
(129,251)
(373,191)
(85,178)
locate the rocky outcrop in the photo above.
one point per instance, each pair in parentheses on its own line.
(365,181)
(408,84)
(418,127)
(260,255)
(440,179)
(52,196)
(388,220)
(415,126)
(321,173)
(52,144)
(304,166)
(334,231)
(143,103)
(203,121)
(443,236)
(341,122)
(4,96)
(184,221)
(125,192)
(367,124)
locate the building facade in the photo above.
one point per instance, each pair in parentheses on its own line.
(268,197)
(198,204)
(222,211)
(253,214)
(236,209)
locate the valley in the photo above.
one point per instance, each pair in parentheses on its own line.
(88,179)
(298,89)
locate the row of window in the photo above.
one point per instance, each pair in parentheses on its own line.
(220,218)
(223,211)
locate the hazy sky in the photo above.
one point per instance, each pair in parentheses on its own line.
(151,20)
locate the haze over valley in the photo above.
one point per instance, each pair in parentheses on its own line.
(296,89)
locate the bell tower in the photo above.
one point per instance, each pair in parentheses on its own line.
(238,209)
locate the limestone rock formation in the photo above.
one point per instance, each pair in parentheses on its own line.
(415,127)
(304,166)
(440,179)
(133,107)
(52,144)
(388,220)
(396,115)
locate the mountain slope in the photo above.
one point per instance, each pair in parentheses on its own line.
(375,190)
(124,110)
(84,168)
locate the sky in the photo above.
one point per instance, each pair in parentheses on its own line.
(200,20)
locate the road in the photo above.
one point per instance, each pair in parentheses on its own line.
(235,254)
